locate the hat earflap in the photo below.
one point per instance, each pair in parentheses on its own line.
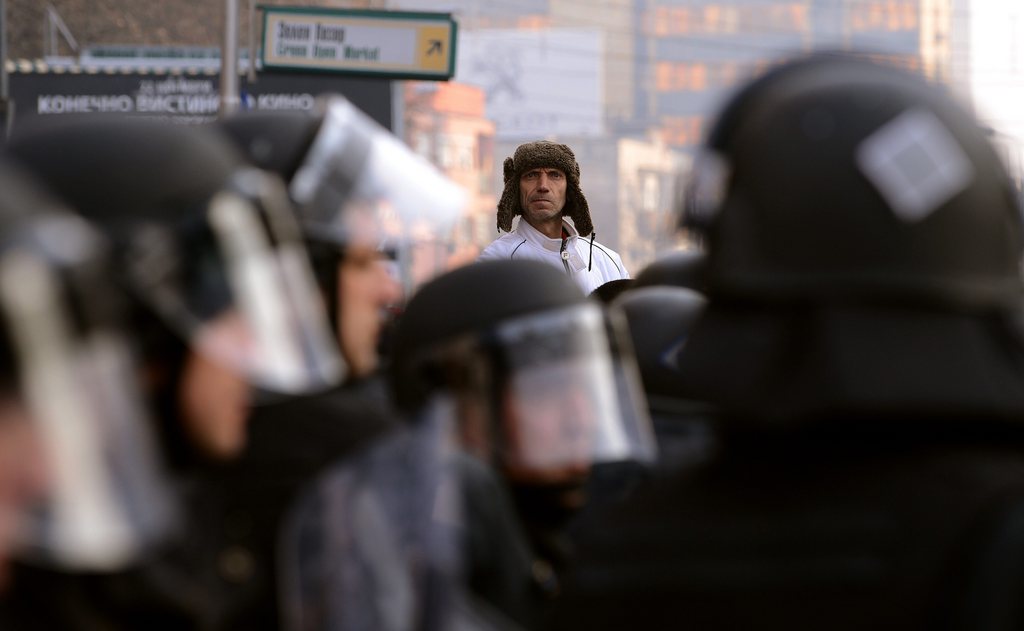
(577,208)
(508,205)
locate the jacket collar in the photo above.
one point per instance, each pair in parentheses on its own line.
(531,234)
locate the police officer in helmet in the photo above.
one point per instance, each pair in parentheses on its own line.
(862,343)
(221,300)
(341,170)
(521,363)
(82,487)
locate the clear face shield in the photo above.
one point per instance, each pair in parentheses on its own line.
(567,402)
(105,498)
(360,184)
(237,284)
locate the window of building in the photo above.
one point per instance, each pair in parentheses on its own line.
(659,21)
(887,15)
(730,20)
(729,74)
(671,21)
(798,16)
(681,77)
(663,76)
(533,22)
(445,155)
(698,77)
(650,192)
(682,130)
(693,77)
(485,161)
(422,145)
(484,151)
(680,21)
(456,151)
(909,15)
(712,18)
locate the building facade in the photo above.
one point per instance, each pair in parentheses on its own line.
(132,22)
(445,123)
(695,52)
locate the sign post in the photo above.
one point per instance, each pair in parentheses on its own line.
(6,105)
(229,95)
(392,44)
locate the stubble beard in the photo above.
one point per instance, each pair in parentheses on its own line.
(544,214)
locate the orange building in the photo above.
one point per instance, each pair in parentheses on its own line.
(445,123)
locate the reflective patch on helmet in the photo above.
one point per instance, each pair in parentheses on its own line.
(706,188)
(915,163)
(670,356)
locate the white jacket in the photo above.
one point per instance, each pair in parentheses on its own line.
(526,242)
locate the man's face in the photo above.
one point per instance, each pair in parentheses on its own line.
(365,288)
(214,398)
(542,194)
(549,435)
(23,471)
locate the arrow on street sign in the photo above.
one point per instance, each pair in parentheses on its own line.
(396,44)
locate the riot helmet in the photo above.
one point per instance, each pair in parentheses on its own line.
(611,290)
(683,268)
(659,319)
(837,177)
(353,181)
(207,243)
(376,218)
(529,363)
(69,365)
(863,253)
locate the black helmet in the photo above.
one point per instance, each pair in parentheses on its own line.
(200,235)
(611,290)
(837,177)
(684,268)
(466,301)
(67,362)
(863,253)
(660,318)
(522,341)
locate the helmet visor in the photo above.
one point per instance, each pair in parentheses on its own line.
(238,285)
(563,407)
(106,498)
(360,183)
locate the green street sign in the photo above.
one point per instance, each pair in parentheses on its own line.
(396,44)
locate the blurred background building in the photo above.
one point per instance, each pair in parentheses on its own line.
(446,123)
(631,85)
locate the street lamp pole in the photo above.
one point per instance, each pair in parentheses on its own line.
(6,106)
(252,42)
(229,95)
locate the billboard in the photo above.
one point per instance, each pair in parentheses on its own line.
(537,83)
(184,98)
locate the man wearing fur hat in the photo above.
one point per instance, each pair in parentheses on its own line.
(542,183)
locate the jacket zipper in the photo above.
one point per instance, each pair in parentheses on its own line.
(565,256)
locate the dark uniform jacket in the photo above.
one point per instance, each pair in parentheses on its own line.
(221,572)
(899,528)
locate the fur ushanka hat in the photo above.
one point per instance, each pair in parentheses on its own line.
(544,153)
